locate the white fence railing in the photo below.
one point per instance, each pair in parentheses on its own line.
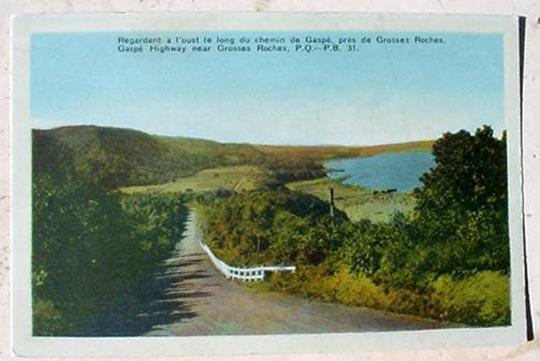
(246,274)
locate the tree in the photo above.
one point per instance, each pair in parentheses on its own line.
(462,207)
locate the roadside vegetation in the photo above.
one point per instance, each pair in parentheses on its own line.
(90,244)
(447,259)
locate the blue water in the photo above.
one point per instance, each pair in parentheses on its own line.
(399,170)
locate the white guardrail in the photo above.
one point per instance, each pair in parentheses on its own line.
(246,274)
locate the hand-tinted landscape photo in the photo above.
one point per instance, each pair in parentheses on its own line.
(244,193)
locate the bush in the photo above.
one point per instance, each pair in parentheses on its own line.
(90,247)
(342,286)
(47,320)
(405,301)
(356,290)
(481,299)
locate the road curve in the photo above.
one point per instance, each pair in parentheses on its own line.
(188,297)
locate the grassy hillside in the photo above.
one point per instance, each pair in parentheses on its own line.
(357,202)
(113,157)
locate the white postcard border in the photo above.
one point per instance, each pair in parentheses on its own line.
(27,345)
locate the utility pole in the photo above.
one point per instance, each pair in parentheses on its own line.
(332,205)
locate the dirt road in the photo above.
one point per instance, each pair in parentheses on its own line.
(189,297)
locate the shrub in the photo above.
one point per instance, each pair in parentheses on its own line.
(47,320)
(357,290)
(343,286)
(481,299)
(403,300)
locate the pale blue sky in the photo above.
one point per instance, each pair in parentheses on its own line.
(380,94)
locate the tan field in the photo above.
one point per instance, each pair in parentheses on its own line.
(237,178)
(356,201)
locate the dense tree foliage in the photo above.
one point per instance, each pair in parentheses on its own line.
(462,206)
(269,227)
(90,245)
(456,237)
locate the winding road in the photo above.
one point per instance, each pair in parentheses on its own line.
(188,297)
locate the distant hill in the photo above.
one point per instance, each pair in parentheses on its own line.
(114,157)
(322,153)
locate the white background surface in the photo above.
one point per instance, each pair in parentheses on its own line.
(531,138)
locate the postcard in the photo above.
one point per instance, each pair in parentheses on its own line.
(219,184)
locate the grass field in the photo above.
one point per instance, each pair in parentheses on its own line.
(356,201)
(237,178)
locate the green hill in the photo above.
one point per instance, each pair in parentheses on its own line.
(113,157)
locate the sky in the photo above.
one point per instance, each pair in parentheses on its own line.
(383,93)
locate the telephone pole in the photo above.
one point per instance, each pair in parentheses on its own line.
(332,205)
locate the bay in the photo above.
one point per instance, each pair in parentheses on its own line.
(393,170)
